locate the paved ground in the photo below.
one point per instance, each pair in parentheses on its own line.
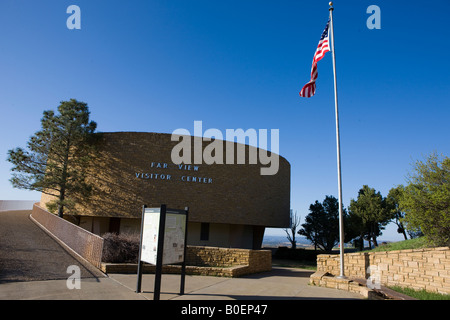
(278,284)
(28,254)
(34,266)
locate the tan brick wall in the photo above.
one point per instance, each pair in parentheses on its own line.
(256,260)
(208,261)
(427,269)
(236,194)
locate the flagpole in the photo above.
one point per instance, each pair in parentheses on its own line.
(341,220)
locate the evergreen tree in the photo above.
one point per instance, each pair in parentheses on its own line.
(57,156)
(321,225)
(371,208)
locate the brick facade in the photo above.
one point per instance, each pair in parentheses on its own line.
(135,168)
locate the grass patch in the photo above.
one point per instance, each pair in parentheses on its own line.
(421,294)
(417,243)
(296,258)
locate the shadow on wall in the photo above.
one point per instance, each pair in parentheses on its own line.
(236,194)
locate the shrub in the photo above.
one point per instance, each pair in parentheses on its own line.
(426,199)
(296,254)
(120,248)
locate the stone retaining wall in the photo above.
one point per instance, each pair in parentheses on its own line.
(208,261)
(256,260)
(131,268)
(427,269)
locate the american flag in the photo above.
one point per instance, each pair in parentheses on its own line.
(310,88)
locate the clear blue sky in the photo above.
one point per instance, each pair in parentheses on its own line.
(160,65)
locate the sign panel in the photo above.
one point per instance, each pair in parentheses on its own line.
(150,230)
(174,236)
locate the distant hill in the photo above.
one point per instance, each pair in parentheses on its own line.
(282,241)
(302,242)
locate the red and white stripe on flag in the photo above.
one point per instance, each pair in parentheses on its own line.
(323,47)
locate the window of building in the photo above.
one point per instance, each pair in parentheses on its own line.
(204,231)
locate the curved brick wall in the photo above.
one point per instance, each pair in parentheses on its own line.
(135,168)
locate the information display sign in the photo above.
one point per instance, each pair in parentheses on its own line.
(163,241)
(174,236)
(150,230)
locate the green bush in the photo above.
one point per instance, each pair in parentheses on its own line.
(426,199)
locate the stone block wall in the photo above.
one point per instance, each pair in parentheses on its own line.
(427,269)
(208,261)
(260,260)
(254,260)
(215,256)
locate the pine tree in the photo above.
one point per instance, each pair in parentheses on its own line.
(57,156)
(321,225)
(371,208)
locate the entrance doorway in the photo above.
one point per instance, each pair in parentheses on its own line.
(114,225)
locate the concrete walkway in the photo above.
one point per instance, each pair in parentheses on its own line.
(279,284)
(27,253)
(90,289)
(34,267)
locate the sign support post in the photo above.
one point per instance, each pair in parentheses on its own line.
(159,256)
(139,281)
(183,265)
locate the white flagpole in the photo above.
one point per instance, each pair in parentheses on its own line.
(341,218)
